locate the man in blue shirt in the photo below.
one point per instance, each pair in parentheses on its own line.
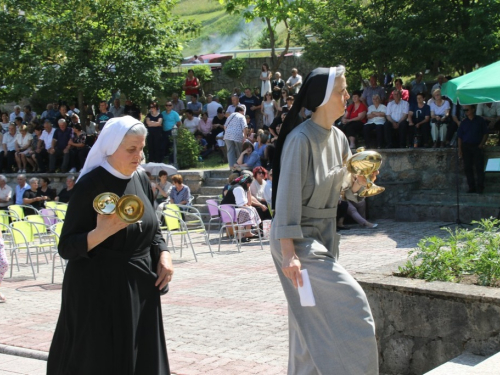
(104,115)
(60,147)
(170,118)
(252,104)
(21,187)
(472,135)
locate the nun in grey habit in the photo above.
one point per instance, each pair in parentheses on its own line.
(337,335)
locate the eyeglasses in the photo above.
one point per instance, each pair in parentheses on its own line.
(168,105)
(466,109)
(260,172)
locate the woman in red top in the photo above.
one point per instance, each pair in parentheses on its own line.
(191,84)
(354,118)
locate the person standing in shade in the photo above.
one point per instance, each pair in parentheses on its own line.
(60,147)
(104,115)
(277,85)
(154,121)
(235,135)
(265,77)
(191,85)
(170,119)
(337,334)
(472,136)
(294,82)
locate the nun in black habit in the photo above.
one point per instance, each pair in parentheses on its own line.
(110,320)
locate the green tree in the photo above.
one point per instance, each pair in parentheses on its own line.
(86,49)
(272,12)
(404,35)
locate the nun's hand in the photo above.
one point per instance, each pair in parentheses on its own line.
(291,263)
(165,270)
(110,224)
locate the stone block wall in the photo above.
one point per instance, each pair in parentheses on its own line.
(422,325)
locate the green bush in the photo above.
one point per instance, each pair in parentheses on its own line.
(203,73)
(234,68)
(223,96)
(465,253)
(188,149)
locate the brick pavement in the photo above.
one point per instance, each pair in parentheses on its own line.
(223,315)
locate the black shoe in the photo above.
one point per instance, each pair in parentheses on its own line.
(245,239)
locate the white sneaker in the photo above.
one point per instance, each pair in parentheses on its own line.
(72,170)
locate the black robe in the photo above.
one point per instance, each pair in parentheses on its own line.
(110,321)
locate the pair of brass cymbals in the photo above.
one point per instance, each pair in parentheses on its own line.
(129,208)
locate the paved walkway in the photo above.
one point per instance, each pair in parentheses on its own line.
(224,315)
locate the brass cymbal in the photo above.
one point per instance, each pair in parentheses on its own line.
(105,203)
(130,208)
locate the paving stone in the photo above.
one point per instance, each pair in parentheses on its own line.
(223,315)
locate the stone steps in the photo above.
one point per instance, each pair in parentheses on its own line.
(219,173)
(439,196)
(215,181)
(210,190)
(420,210)
(469,364)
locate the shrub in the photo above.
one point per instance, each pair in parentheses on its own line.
(188,149)
(203,73)
(234,68)
(465,253)
(224,96)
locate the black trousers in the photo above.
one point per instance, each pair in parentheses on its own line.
(451,130)
(167,142)
(401,132)
(77,157)
(379,130)
(353,128)
(42,158)
(11,160)
(423,133)
(473,159)
(155,144)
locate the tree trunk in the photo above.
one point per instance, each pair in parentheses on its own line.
(83,110)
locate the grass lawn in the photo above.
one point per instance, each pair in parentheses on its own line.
(213,161)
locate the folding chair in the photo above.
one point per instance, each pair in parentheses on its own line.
(192,225)
(213,210)
(229,219)
(18,242)
(51,204)
(49,216)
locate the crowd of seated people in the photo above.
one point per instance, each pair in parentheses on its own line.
(35,192)
(412,116)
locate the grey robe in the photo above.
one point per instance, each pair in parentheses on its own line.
(337,336)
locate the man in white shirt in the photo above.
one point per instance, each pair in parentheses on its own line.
(235,102)
(44,143)
(5,192)
(212,106)
(294,82)
(440,81)
(491,113)
(191,122)
(397,120)
(9,148)
(17,113)
(376,121)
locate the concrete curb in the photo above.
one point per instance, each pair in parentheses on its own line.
(23,352)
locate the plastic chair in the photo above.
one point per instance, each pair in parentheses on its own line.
(49,216)
(19,241)
(229,219)
(213,210)
(51,204)
(56,230)
(192,224)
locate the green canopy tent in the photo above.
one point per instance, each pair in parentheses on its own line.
(479,86)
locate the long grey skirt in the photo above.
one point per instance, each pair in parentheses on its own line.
(337,336)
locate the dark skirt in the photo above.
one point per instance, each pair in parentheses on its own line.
(110,321)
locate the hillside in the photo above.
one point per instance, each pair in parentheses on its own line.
(218,30)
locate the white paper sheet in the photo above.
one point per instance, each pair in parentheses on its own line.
(305,291)
(493,165)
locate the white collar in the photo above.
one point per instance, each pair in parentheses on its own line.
(114,172)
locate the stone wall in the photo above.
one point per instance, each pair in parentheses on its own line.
(406,170)
(251,74)
(421,325)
